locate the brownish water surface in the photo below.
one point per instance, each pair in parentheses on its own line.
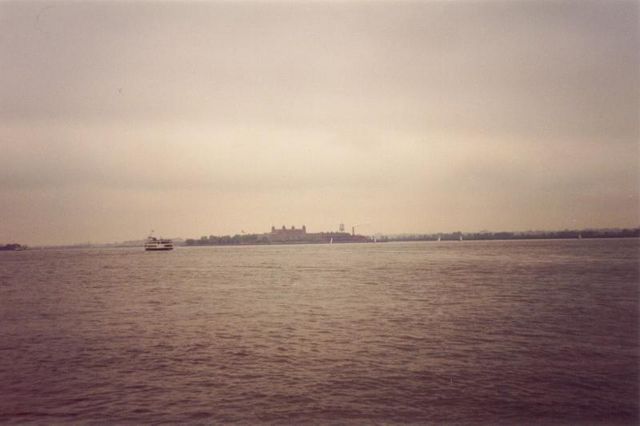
(456,332)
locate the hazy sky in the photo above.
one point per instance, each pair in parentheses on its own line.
(215,117)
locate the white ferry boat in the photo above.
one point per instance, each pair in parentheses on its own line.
(155,244)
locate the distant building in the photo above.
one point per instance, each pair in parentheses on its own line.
(300,235)
(286,235)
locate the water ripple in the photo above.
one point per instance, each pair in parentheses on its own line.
(457,333)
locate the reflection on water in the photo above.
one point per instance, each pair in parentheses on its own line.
(482,332)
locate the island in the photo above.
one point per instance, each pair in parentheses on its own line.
(282,235)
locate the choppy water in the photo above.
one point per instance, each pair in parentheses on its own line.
(457,332)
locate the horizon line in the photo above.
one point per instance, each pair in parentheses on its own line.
(382,234)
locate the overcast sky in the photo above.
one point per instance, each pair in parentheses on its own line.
(216,117)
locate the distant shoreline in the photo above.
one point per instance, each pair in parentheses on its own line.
(251,240)
(529,235)
(13,247)
(256,239)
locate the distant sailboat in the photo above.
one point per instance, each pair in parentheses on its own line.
(439,237)
(331,240)
(460,237)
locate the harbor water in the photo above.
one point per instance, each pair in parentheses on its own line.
(496,332)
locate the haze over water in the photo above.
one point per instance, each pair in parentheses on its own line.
(456,332)
(212,117)
(221,118)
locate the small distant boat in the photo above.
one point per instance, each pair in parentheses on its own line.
(158,244)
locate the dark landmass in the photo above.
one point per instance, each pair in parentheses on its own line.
(526,235)
(13,247)
(280,236)
(300,236)
(260,239)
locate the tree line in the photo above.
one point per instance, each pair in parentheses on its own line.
(527,235)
